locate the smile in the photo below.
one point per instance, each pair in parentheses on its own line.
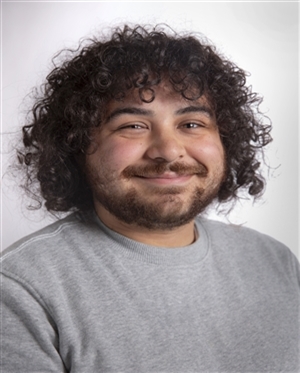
(167,179)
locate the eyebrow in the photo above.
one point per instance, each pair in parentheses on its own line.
(139,111)
(128,110)
(196,109)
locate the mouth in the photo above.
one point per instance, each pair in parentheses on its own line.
(163,174)
(169,178)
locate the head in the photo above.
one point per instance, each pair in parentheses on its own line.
(138,62)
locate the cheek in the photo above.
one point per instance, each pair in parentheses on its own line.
(117,155)
(209,150)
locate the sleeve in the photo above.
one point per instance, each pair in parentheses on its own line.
(29,336)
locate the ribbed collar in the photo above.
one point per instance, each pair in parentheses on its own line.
(138,251)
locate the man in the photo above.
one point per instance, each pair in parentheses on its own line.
(136,135)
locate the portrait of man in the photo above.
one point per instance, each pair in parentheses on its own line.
(133,135)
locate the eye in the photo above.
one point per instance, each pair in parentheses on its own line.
(132,126)
(192,125)
(131,130)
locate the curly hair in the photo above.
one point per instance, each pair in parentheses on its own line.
(76,93)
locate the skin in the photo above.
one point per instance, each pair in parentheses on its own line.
(137,146)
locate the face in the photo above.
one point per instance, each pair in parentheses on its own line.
(157,165)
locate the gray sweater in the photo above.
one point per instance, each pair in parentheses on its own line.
(80,298)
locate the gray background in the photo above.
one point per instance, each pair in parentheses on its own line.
(261,37)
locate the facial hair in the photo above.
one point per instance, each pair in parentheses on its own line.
(132,207)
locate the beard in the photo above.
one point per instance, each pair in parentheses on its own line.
(165,208)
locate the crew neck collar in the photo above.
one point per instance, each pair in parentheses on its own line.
(137,251)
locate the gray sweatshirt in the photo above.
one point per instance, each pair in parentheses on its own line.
(80,298)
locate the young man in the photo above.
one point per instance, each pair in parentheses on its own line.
(136,135)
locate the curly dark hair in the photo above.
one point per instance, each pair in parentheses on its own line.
(76,93)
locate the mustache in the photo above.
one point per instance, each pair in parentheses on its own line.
(160,168)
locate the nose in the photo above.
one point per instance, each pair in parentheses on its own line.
(165,146)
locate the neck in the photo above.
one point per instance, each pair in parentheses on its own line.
(175,237)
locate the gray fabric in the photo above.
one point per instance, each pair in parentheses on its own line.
(80,298)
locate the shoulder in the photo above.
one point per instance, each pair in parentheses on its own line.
(249,248)
(47,236)
(56,243)
(240,236)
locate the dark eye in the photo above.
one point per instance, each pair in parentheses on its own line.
(133,126)
(192,125)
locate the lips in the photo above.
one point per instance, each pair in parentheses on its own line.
(167,179)
(165,172)
(163,176)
